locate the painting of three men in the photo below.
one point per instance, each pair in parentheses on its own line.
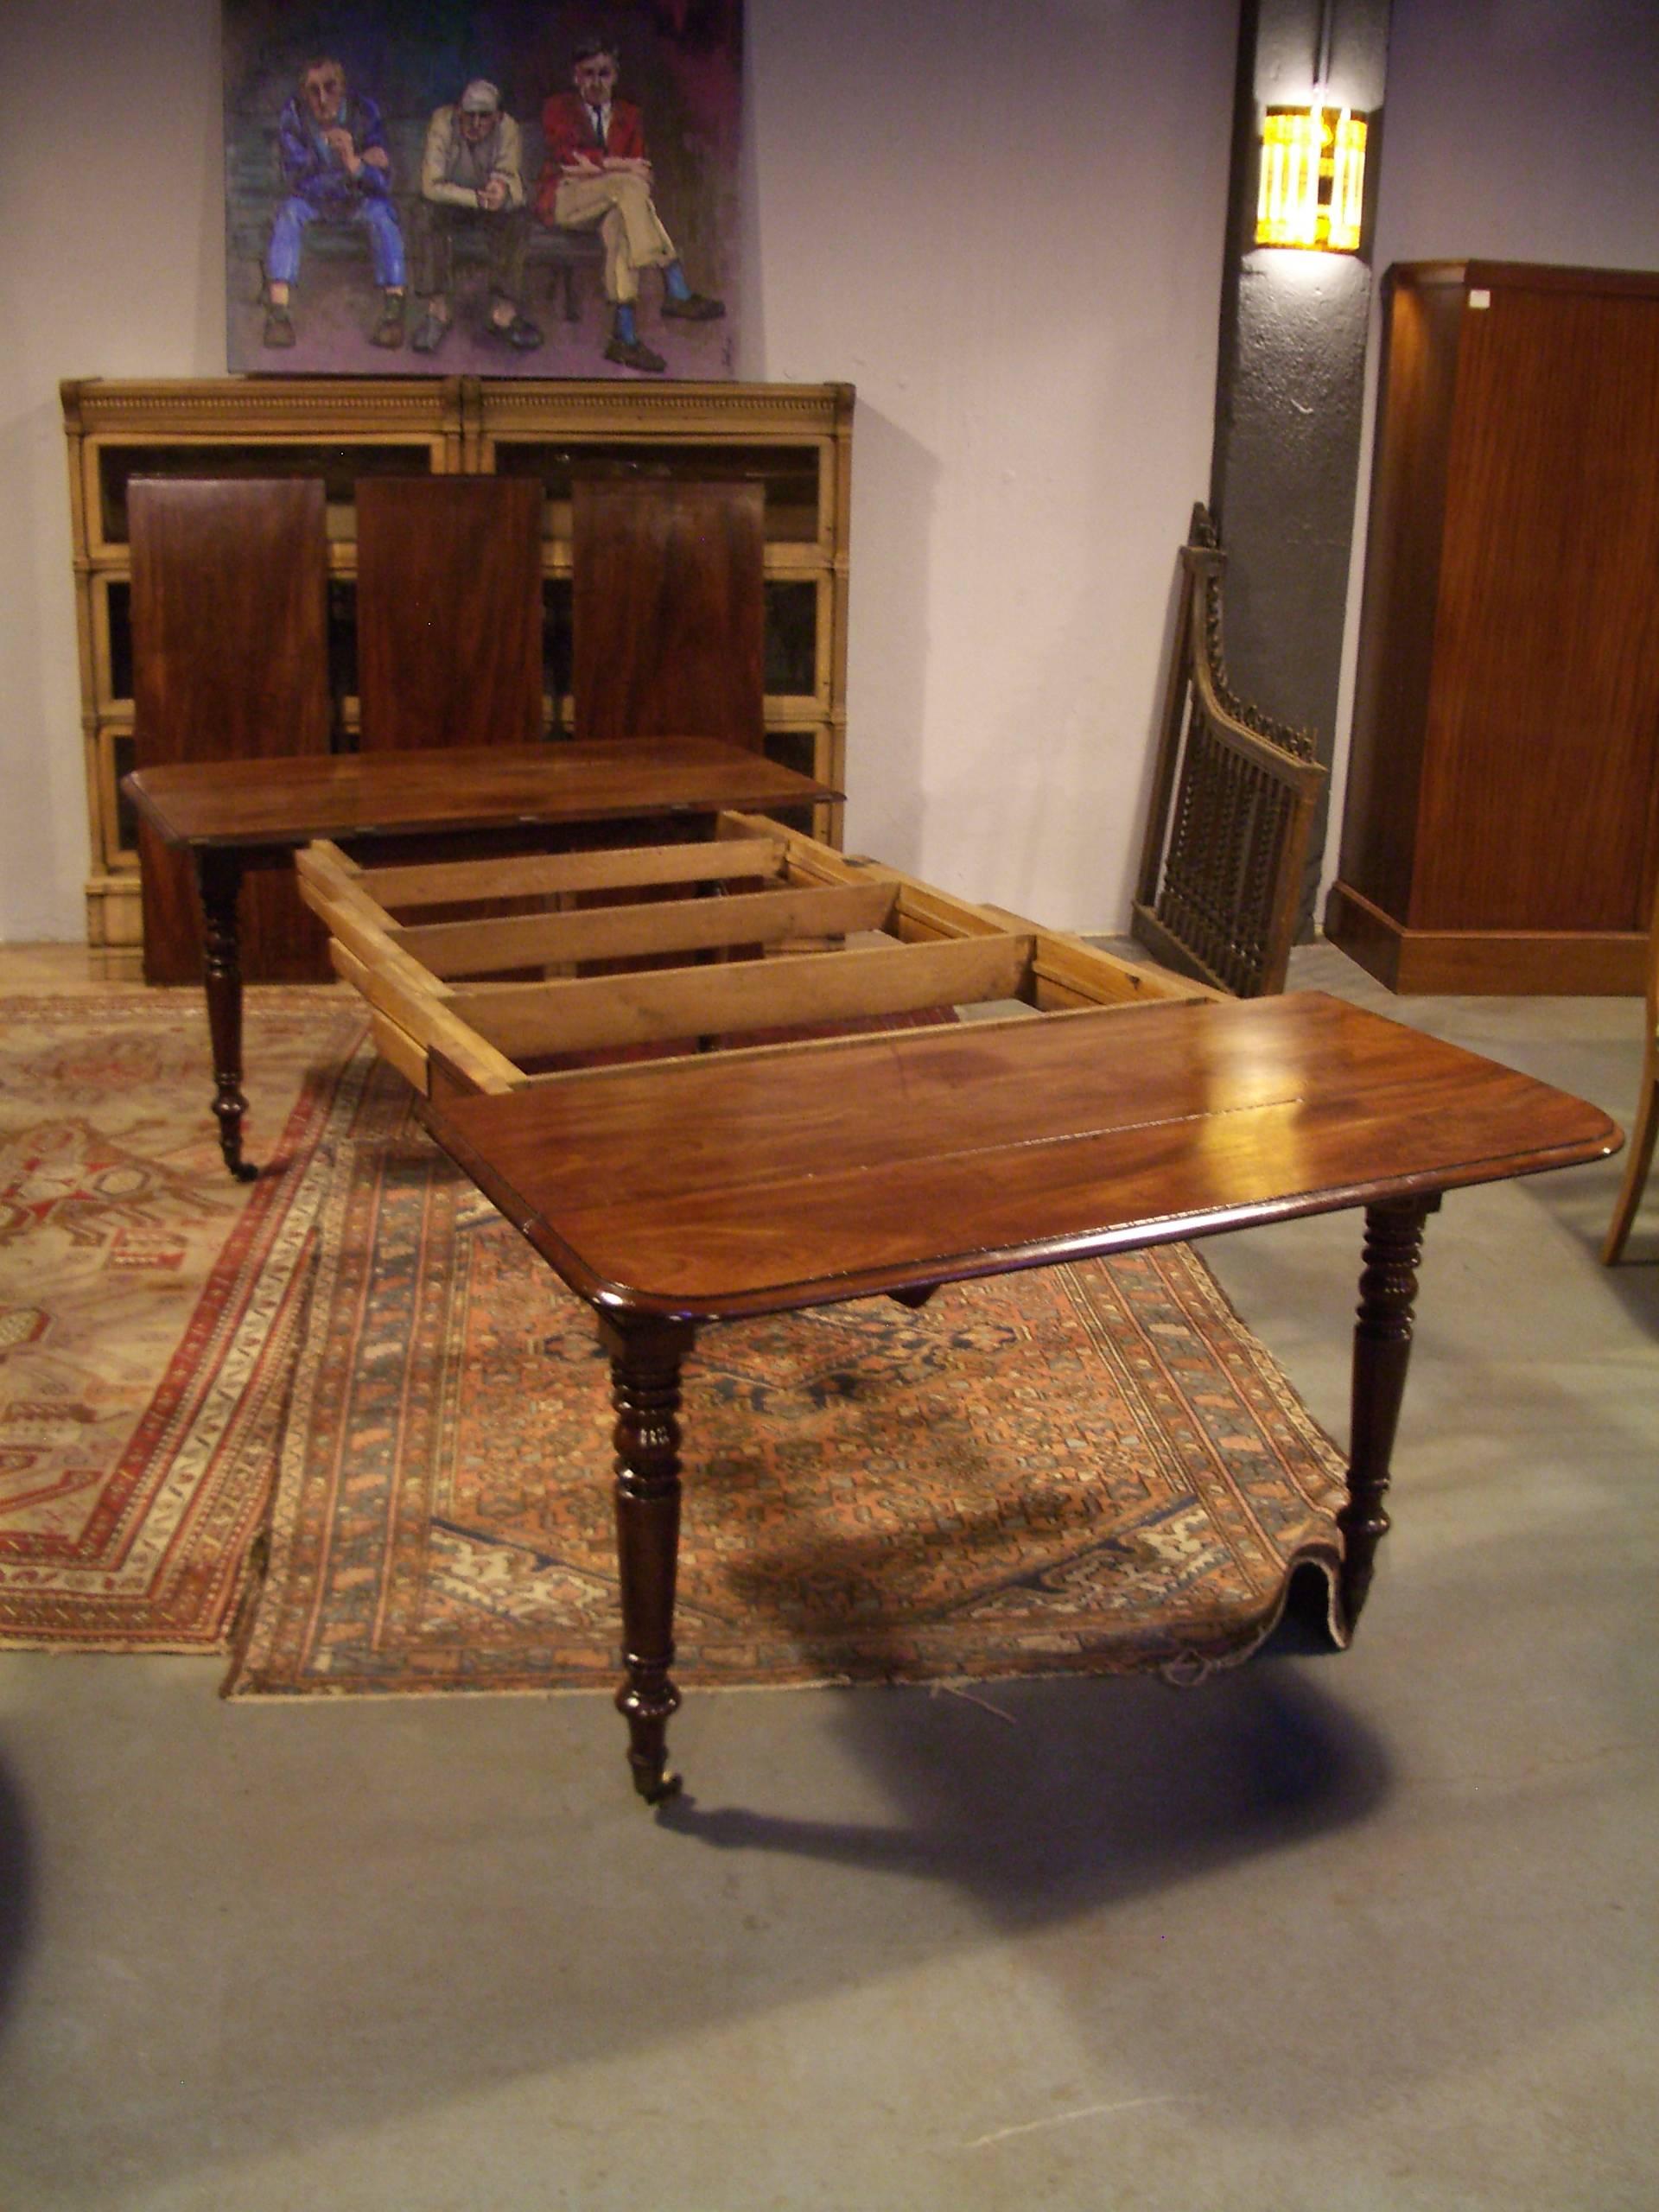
(507,189)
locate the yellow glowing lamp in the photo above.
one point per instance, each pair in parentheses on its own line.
(1312,179)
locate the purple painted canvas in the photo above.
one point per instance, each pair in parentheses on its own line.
(506,188)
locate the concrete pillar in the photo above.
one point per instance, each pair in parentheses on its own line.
(1291,382)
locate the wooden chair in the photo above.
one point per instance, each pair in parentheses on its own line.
(1639,1160)
(449,611)
(229,583)
(668,609)
(1233,798)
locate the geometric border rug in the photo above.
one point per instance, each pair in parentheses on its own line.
(149,1305)
(1090,1468)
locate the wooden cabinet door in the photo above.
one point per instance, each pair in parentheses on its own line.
(1541,770)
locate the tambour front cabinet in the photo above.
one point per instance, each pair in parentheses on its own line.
(1502,827)
(794,440)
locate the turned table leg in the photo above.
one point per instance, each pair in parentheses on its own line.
(1388,1284)
(219,873)
(645,1356)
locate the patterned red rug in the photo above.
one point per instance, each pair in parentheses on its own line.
(1095,1467)
(148,1306)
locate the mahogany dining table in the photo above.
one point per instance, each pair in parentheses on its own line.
(233,816)
(681,1193)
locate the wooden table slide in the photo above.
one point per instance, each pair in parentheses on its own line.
(695,946)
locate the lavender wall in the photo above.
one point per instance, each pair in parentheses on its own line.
(1002,219)
(999,219)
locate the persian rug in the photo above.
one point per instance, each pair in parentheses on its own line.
(147,1305)
(1094,1467)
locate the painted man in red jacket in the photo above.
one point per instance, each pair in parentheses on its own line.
(597,177)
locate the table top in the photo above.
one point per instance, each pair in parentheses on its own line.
(707,1188)
(288,801)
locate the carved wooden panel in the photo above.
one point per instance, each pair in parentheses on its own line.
(1542,760)
(1232,807)
(229,608)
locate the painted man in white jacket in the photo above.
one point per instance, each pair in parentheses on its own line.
(472,178)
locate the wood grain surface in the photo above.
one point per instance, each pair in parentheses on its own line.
(448,611)
(230,664)
(704,1189)
(288,802)
(667,609)
(1504,784)
(1396,663)
(1541,764)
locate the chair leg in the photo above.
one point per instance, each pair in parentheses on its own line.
(1637,1161)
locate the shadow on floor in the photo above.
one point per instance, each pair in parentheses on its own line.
(1043,1798)
(16,1893)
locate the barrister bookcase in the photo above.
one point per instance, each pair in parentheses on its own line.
(794,440)
(1502,826)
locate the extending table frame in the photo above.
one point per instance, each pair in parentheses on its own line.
(233,816)
(712,1184)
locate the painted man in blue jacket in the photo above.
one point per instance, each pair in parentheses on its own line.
(335,169)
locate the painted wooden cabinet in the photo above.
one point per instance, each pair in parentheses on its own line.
(794,440)
(1501,823)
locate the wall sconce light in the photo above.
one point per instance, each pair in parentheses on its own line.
(1312,189)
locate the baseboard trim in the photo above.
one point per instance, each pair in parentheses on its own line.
(1536,963)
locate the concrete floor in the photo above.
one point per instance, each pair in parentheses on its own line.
(1367,1931)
